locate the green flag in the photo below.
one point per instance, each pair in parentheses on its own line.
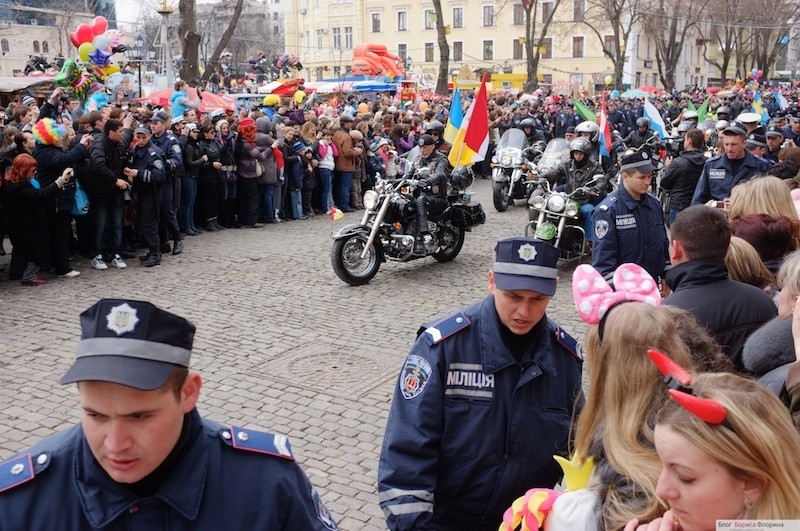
(690,106)
(584,111)
(703,110)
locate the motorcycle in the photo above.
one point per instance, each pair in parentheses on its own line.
(387,229)
(555,217)
(509,165)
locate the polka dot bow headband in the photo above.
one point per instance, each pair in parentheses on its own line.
(594,297)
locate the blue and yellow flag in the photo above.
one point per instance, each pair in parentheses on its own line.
(455,118)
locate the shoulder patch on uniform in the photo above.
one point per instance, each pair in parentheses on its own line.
(16,471)
(260,442)
(157,164)
(444,328)
(414,376)
(323,513)
(569,343)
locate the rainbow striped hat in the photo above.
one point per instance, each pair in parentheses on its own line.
(46,131)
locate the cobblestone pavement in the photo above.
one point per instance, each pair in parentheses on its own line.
(281,342)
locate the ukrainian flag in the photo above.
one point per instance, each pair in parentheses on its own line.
(455,118)
(472,139)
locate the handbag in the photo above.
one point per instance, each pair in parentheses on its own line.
(259,169)
(81,206)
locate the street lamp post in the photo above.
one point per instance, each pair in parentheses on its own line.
(137,54)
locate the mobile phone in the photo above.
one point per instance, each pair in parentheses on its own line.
(720,204)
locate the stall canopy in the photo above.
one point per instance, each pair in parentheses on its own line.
(332,86)
(13,84)
(210,101)
(285,87)
(374,86)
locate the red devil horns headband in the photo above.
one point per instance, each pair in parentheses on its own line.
(679,382)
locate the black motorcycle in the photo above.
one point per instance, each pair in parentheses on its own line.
(388,227)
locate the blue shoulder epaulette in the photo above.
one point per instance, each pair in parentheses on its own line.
(714,158)
(569,343)
(258,441)
(607,202)
(444,328)
(16,471)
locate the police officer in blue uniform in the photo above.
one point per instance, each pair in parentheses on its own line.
(722,173)
(142,457)
(168,143)
(483,402)
(629,223)
(146,169)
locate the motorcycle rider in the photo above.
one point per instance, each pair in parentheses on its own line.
(532,133)
(591,132)
(575,173)
(435,128)
(642,135)
(432,187)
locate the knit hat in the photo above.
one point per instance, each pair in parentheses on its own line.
(46,131)
(28,100)
(298,147)
(356,135)
(246,121)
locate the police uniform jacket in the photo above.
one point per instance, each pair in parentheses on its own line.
(470,428)
(717,179)
(149,160)
(213,485)
(436,175)
(629,231)
(169,145)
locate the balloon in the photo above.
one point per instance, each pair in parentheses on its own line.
(423,106)
(99,25)
(73,38)
(97,101)
(615,94)
(608,80)
(100,57)
(85,49)
(760,73)
(69,74)
(110,70)
(84,33)
(101,41)
(754,71)
(363,108)
(749,75)
(81,88)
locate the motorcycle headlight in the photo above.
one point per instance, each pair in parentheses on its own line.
(556,203)
(370,199)
(506,160)
(538,202)
(571,210)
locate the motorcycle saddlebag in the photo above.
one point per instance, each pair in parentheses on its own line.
(473,215)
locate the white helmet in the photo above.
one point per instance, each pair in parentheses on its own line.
(690,115)
(721,125)
(589,127)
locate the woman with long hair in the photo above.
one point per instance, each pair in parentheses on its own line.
(765,195)
(208,178)
(745,265)
(246,156)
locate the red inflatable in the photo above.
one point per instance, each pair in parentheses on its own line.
(372,59)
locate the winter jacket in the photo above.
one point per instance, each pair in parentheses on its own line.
(346,161)
(52,160)
(246,159)
(769,347)
(107,162)
(681,177)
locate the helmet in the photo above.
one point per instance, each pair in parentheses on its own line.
(690,115)
(684,126)
(721,125)
(434,126)
(271,100)
(589,127)
(642,122)
(580,144)
(723,109)
(527,122)
(462,177)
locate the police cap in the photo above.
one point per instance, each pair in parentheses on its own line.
(159,116)
(754,139)
(525,264)
(749,118)
(131,343)
(639,161)
(735,128)
(774,130)
(142,128)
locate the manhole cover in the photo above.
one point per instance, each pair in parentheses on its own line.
(333,368)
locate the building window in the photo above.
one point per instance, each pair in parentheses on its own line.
(488,50)
(319,39)
(458,17)
(348,37)
(337,71)
(402,52)
(45,47)
(458,51)
(4,45)
(518,49)
(546,48)
(337,38)
(519,15)
(610,43)
(430,19)
(402,21)
(35,46)
(578,10)
(547,8)
(375,18)
(488,15)
(577,47)
(428,52)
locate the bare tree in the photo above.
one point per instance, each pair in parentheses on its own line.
(213,61)
(190,41)
(533,9)
(444,50)
(622,16)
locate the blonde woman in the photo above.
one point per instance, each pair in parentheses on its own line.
(744,265)
(764,195)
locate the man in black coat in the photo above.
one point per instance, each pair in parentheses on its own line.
(728,309)
(681,175)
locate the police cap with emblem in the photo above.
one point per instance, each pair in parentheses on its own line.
(131,343)
(735,128)
(754,139)
(525,264)
(774,130)
(639,161)
(160,116)
(142,128)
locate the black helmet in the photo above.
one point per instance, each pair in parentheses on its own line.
(642,122)
(684,126)
(462,177)
(527,122)
(723,109)
(580,144)
(434,126)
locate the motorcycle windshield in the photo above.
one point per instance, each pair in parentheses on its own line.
(513,138)
(556,152)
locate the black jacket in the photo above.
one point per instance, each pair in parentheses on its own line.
(681,177)
(107,162)
(728,309)
(52,160)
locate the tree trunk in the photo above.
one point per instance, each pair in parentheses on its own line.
(444,51)
(190,40)
(213,61)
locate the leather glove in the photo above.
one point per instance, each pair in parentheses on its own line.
(424,183)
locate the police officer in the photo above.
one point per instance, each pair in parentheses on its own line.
(756,144)
(142,457)
(483,402)
(774,139)
(168,143)
(722,173)
(751,122)
(147,170)
(629,223)
(431,167)
(565,119)
(792,131)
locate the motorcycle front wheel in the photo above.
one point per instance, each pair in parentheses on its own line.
(348,264)
(500,196)
(451,239)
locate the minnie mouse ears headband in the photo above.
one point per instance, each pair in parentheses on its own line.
(679,382)
(594,297)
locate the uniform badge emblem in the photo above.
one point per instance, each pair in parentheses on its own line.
(415,376)
(600,228)
(644,155)
(122,319)
(527,252)
(323,514)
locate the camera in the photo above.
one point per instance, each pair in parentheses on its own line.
(127,199)
(675,146)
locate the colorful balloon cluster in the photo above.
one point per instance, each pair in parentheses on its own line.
(96,44)
(755,74)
